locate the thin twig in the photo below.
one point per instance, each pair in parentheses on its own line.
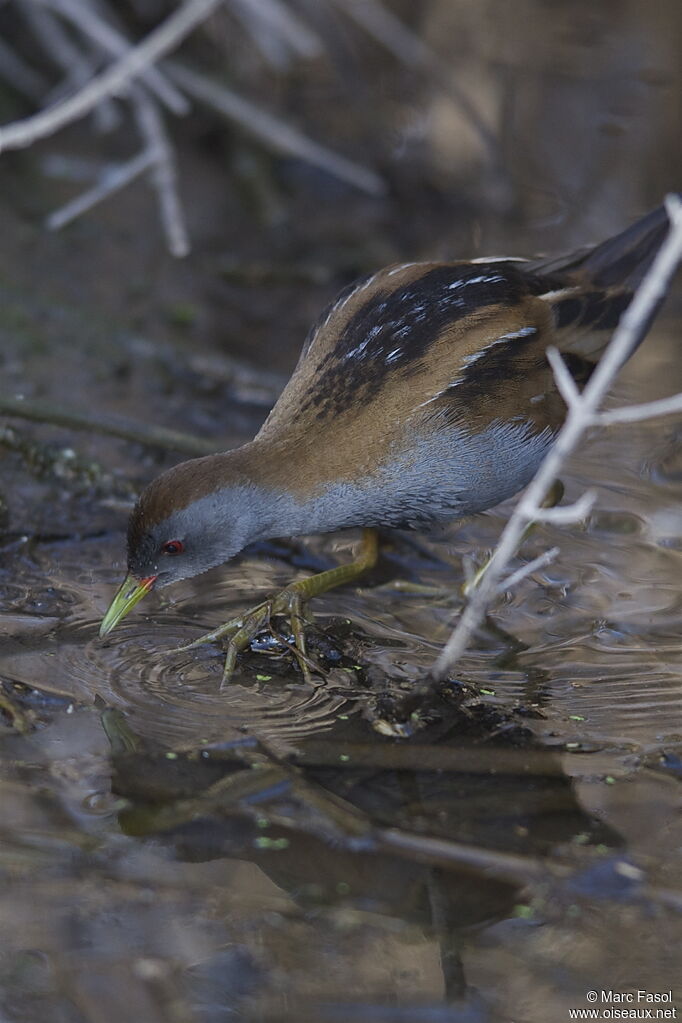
(563,379)
(164,177)
(112,180)
(532,566)
(113,80)
(277,32)
(272,131)
(567,513)
(581,414)
(636,413)
(78,65)
(88,22)
(511,868)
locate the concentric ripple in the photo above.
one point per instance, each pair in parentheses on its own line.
(171,698)
(174,699)
(602,625)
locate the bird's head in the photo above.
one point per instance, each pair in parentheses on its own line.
(197,515)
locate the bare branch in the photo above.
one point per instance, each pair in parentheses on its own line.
(272,131)
(542,559)
(112,180)
(276,31)
(164,176)
(629,333)
(113,80)
(77,63)
(636,413)
(88,22)
(564,381)
(565,513)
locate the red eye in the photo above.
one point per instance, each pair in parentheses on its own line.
(173,547)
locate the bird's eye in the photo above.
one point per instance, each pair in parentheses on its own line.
(173,547)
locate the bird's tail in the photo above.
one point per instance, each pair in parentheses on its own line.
(592,288)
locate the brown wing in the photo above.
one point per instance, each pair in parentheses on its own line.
(460,343)
(408,328)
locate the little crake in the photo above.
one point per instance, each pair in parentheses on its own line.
(422,394)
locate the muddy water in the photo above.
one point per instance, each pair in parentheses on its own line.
(126,882)
(171,850)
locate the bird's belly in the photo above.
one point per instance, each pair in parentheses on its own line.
(442,476)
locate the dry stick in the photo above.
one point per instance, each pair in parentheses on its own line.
(271,130)
(113,80)
(113,180)
(582,413)
(157,154)
(86,21)
(139,433)
(78,63)
(543,559)
(153,131)
(274,29)
(635,413)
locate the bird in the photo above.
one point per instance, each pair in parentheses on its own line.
(422,394)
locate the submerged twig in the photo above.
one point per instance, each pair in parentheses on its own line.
(511,868)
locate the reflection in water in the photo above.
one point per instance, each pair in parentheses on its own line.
(260,852)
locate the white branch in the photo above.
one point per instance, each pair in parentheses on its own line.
(163,169)
(112,180)
(114,42)
(542,559)
(78,64)
(564,513)
(273,132)
(277,31)
(580,417)
(113,80)
(635,413)
(564,381)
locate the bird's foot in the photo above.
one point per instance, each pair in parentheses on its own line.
(240,631)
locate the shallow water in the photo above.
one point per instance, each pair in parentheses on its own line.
(261,903)
(175,851)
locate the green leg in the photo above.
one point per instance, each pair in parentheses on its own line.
(290,601)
